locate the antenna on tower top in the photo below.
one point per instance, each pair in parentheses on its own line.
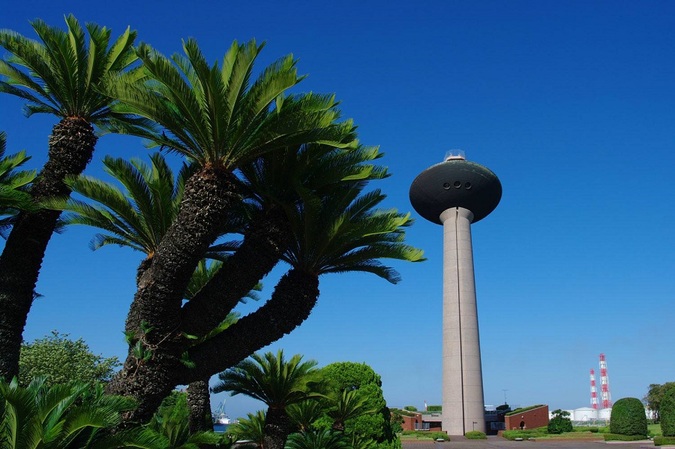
(604,383)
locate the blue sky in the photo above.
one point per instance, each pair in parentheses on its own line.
(570,103)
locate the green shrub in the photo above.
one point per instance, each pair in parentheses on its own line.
(475,435)
(435,408)
(667,412)
(662,441)
(628,417)
(439,436)
(619,437)
(525,434)
(560,422)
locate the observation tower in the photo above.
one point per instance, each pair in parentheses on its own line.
(456,193)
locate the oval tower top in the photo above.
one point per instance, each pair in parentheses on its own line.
(455,182)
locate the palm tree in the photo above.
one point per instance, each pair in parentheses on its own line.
(274,381)
(273,185)
(13,195)
(138,218)
(347,405)
(217,118)
(305,413)
(60,74)
(251,428)
(62,417)
(318,439)
(338,232)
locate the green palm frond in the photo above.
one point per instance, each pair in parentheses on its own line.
(60,416)
(137,217)
(217,114)
(251,428)
(270,379)
(318,439)
(13,182)
(344,231)
(62,72)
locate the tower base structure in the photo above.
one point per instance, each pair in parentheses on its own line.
(463,402)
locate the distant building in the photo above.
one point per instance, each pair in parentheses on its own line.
(527,418)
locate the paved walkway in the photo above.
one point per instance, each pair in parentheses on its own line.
(493,442)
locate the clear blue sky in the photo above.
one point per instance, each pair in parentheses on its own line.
(570,103)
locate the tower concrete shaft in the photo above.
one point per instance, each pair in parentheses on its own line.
(463,404)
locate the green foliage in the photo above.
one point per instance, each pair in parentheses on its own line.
(13,194)
(251,428)
(439,436)
(361,378)
(560,422)
(269,378)
(475,435)
(435,408)
(628,418)
(621,437)
(523,409)
(169,426)
(318,439)
(654,396)
(667,411)
(69,416)
(61,360)
(537,432)
(663,441)
(410,408)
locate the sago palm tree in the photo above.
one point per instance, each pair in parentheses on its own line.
(318,439)
(305,413)
(219,117)
(68,416)
(273,186)
(347,405)
(13,195)
(138,217)
(275,381)
(60,74)
(338,232)
(251,428)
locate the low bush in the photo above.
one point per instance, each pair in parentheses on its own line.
(475,435)
(560,422)
(667,412)
(619,437)
(628,417)
(439,436)
(663,441)
(525,434)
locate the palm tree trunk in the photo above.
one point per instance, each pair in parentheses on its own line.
(291,303)
(154,318)
(264,242)
(199,403)
(71,146)
(277,428)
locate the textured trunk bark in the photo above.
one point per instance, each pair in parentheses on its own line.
(291,303)
(264,242)
(71,146)
(154,317)
(199,403)
(277,428)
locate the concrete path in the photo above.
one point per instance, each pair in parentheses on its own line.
(493,442)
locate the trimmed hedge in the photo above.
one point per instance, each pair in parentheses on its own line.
(667,413)
(619,437)
(475,435)
(663,441)
(628,418)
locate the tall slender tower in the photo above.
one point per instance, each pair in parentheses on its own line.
(594,391)
(457,193)
(604,383)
